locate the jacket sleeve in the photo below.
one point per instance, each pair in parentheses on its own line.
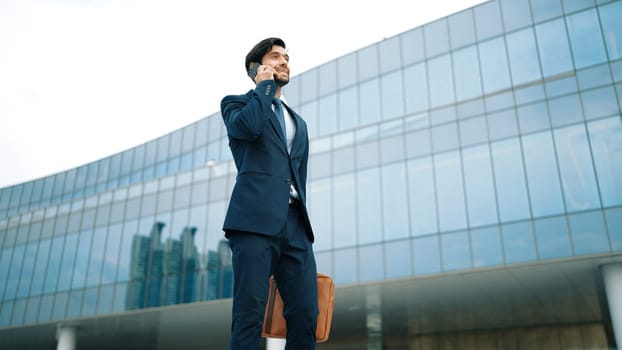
(245,115)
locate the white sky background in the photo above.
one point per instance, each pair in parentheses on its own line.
(83,79)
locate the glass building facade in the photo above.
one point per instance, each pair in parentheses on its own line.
(488,140)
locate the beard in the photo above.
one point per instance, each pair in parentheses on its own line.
(281,81)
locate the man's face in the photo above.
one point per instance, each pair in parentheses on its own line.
(278,59)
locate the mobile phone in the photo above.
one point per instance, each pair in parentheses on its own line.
(252,72)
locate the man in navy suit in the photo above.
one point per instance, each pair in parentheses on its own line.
(267,223)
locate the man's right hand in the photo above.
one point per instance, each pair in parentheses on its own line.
(264,72)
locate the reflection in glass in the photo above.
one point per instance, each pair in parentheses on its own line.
(441,81)
(480,193)
(392,95)
(589,235)
(599,103)
(345,266)
(494,65)
(371,263)
(586,39)
(542,175)
(397,255)
(613,217)
(344,211)
(553,47)
(348,109)
(518,242)
(394,201)
(68,262)
(370,101)
(27,270)
(328,114)
(320,208)
(610,17)
(516,14)
(422,197)
(488,20)
(510,180)
(461,29)
(455,248)
(415,88)
(552,237)
(575,165)
(523,56)
(606,142)
(450,191)
(369,206)
(466,73)
(486,246)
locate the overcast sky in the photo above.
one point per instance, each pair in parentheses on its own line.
(83,79)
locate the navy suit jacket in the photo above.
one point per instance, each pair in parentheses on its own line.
(260,197)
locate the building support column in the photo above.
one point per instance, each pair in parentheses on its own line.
(374,319)
(275,344)
(66,337)
(612,275)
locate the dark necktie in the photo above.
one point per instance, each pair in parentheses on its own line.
(278,109)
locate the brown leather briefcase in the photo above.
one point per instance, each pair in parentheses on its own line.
(274,322)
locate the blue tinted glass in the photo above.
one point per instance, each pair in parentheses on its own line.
(371,266)
(466,73)
(422,196)
(426,255)
(552,237)
(488,20)
(309,114)
(68,262)
(495,70)
(348,108)
(510,180)
(441,81)
(461,29)
(346,66)
(104,304)
(542,176)
(436,39)
(5,313)
(39,273)
(606,142)
(320,204)
(345,266)
(328,78)
(389,54)
(533,117)
(60,305)
(5,263)
(392,95)
(614,226)
(113,244)
(599,103)
(120,297)
(473,131)
(561,87)
(416,88)
(398,260)
(445,137)
(328,114)
(502,124)
(478,179)
(586,39)
(575,5)
(53,269)
(450,191)
(370,102)
(27,270)
(610,17)
(344,211)
(89,302)
(82,259)
(368,202)
(553,48)
(516,14)
(368,62)
(575,165)
(565,110)
(412,46)
(486,246)
(32,310)
(523,56)
(456,252)
(518,242)
(394,201)
(18,312)
(589,235)
(309,86)
(594,77)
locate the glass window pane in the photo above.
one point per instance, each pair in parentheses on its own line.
(510,180)
(462,29)
(328,114)
(389,54)
(545,9)
(418,143)
(68,262)
(606,142)
(427,255)
(82,259)
(610,18)
(348,108)
(309,86)
(345,266)
(478,179)
(614,226)
(523,56)
(310,115)
(594,77)
(368,62)
(486,245)
(441,81)
(589,235)
(347,70)
(370,102)
(436,39)
(599,103)
(445,137)
(394,201)
(552,237)
(321,208)
(565,110)
(575,5)
(412,46)
(368,201)
(450,191)
(53,269)
(456,254)
(586,38)
(397,255)
(575,165)
(533,117)
(473,131)
(328,78)
(344,211)
(27,270)
(502,124)
(516,14)
(466,72)
(371,263)
(422,196)
(494,65)
(553,48)
(518,242)
(488,20)
(416,88)
(367,154)
(392,95)
(542,175)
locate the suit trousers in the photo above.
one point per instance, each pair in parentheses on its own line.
(289,257)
